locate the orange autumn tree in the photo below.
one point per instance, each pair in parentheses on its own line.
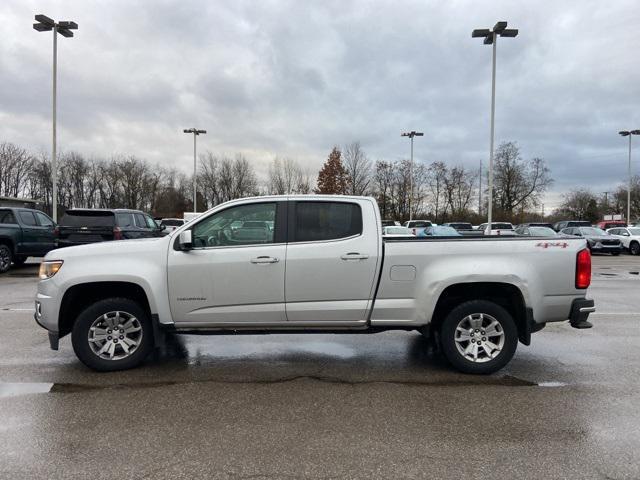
(332,177)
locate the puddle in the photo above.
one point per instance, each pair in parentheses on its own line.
(16,389)
(552,384)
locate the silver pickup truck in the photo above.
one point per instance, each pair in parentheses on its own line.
(310,264)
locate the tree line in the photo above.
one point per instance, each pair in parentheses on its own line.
(436,191)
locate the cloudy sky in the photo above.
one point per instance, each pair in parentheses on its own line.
(293,78)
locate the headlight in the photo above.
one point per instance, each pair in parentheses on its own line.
(49,268)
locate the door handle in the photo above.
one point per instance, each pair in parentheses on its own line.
(354,256)
(264,259)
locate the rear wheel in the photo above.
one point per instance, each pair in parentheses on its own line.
(634,248)
(5,258)
(112,334)
(478,337)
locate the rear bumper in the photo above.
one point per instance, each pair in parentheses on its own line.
(580,310)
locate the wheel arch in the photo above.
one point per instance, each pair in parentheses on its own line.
(507,295)
(78,297)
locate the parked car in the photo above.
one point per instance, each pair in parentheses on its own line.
(397,232)
(390,223)
(464,228)
(439,231)
(570,223)
(597,239)
(607,224)
(417,225)
(535,224)
(324,267)
(535,231)
(498,228)
(82,225)
(24,232)
(630,238)
(170,224)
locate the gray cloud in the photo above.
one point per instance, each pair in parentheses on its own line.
(294,78)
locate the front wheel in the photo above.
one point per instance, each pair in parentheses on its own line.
(112,334)
(479,337)
(634,248)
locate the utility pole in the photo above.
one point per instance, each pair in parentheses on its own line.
(627,133)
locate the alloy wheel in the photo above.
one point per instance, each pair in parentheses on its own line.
(479,337)
(115,335)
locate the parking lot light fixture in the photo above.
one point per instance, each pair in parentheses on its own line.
(411,134)
(195,132)
(46,24)
(491,38)
(629,133)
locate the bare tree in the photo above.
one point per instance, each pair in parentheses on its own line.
(286,177)
(518,184)
(358,169)
(15,166)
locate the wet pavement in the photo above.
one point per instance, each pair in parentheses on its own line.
(327,406)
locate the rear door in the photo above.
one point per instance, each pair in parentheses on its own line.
(332,260)
(30,232)
(46,240)
(78,227)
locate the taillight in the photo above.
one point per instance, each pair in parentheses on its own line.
(117,233)
(56,232)
(583,269)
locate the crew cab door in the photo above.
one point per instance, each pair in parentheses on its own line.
(234,274)
(332,260)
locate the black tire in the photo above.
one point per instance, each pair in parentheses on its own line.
(6,257)
(634,248)
(19,260)
(448,337)
(82,326)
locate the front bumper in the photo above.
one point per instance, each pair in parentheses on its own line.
(580,310)
(599,248)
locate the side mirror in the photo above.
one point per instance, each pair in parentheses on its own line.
(185,240)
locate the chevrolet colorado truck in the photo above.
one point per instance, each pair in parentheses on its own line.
(310,264)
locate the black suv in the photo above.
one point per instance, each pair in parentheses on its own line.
(80,226)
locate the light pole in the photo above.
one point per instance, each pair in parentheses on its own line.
(46,24)
(491,38)
(195,132)
(411,134)
(629,133)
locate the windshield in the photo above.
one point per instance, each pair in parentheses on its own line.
(542,232)
(461,226)
(592,231)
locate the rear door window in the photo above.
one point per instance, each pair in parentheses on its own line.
(28,218)
(316,221)
(6,217)
(125,220)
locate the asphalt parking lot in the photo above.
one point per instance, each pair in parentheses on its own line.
(327,406)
